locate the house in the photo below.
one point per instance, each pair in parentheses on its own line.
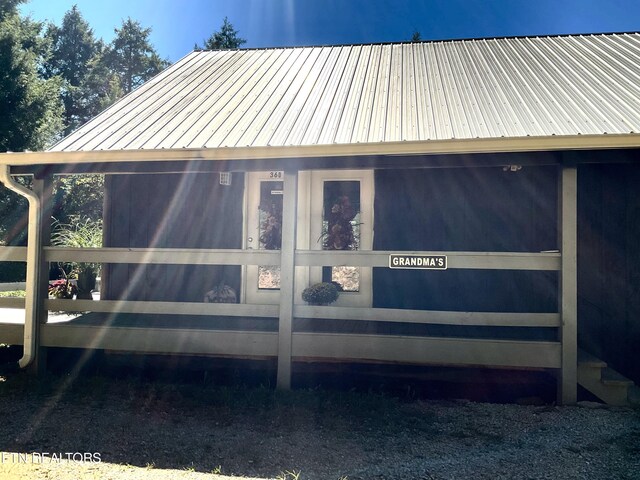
(475,199)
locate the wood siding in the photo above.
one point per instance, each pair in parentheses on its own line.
(609,264)
(171,211)
(475,209)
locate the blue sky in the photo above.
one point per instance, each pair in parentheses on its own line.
(179,24)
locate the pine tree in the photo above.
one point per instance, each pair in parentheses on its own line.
(30,106)
(31,111)
(132,57)
(73,46)
(225,38)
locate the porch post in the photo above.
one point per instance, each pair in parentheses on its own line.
(287,276)
(568,383)
(43,188)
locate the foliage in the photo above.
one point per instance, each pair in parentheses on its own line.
(63,289)
(225,38)
(79,233)
(100,87)
(271,227)
(78,196)
(340,234)
(416,37)
(73,46)
(14,215)
(322,293)
(13,294)
(31,108)
(132,57)
(221,294)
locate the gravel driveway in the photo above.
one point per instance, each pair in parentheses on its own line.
(151,430)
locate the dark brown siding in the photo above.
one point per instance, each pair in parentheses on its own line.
(482,209)
(172,211)
(609,264)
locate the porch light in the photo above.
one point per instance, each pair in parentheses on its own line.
(512,168)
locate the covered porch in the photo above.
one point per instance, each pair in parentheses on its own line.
(290,331)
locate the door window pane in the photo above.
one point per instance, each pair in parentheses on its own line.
(270,231)
(341,229)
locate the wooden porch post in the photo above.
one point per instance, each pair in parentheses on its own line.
(43,188)
(568,382)
(287,276)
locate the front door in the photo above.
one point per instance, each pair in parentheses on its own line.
(335,212)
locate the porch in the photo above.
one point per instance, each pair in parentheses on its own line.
(290,331)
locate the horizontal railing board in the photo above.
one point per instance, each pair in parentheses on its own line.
(349,347)
(11,302)
(12,286)
(11,333)
(167,308)
(306,311)
(470,260)
(13,254)
(304,258)
(161,340)
(169,256)
(497,319)
(426,350)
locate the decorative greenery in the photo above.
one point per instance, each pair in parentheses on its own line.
(271,226)
(79,233)
(339,234)
(63,289)
(221,294)
(322,293)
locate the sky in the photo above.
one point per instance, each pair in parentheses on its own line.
(177,25)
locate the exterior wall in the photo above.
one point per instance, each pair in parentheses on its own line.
(171,211)
(609,264)
(472,209)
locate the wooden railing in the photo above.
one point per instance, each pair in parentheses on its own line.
(304,345)
(303,258)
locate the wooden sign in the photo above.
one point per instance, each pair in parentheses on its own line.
(418,262)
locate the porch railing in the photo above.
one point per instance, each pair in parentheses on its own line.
(303,258)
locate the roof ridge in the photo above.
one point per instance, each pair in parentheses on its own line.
(443,40)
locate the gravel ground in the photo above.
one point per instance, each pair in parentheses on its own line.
(151,430)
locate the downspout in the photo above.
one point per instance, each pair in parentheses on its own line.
(33,264)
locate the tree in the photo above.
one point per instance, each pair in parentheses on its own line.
(73,46)
(416,37)
(225,38)
(100,87)
(31,112)
(31,109)
(132,57)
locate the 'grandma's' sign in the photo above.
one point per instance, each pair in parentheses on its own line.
(426,262)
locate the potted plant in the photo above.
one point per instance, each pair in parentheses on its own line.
(322,293)
(79,233)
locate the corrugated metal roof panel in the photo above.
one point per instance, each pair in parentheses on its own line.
(487,88)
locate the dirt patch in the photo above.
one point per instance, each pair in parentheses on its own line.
(152,430)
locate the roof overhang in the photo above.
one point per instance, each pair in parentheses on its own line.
(284,153)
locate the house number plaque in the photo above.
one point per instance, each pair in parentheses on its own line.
(418,262)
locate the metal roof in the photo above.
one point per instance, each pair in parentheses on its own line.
(371,94)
